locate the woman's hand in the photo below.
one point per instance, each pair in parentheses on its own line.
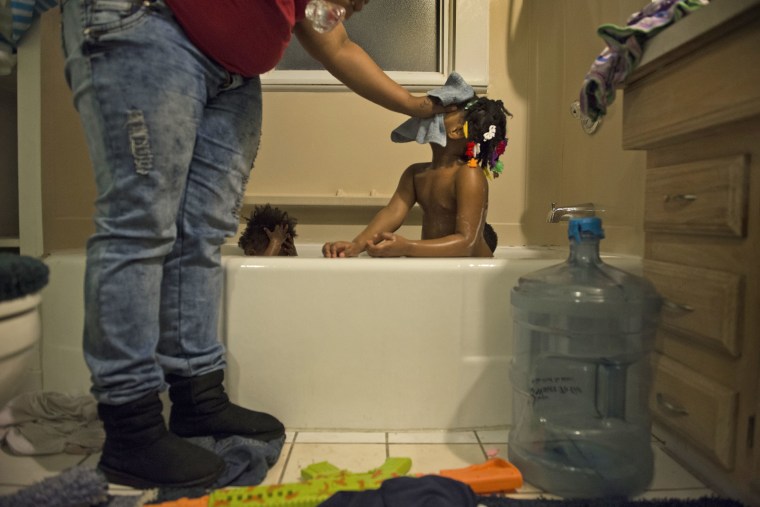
(425,107)
(351,6)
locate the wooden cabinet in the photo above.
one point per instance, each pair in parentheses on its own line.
(694,106)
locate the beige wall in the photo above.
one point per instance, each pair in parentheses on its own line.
(538,61)
(317,143)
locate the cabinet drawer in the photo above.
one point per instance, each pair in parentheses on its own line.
(699,303)
(704,197)
(696,407)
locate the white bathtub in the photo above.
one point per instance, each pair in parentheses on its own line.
(345,343)
(369,343)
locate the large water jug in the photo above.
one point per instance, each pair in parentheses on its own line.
(581,373)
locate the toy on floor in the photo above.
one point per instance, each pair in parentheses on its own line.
(493,476)
(323,479)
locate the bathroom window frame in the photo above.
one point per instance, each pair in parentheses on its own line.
(463,48)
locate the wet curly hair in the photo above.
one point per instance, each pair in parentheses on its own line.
(487,129)
(262,217)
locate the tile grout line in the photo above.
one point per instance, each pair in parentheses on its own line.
(287,458)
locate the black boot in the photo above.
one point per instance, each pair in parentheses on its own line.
(141,453)
(201,407)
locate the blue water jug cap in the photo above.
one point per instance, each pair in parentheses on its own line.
(585,228)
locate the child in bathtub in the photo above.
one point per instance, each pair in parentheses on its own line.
(270,232)
(452,189)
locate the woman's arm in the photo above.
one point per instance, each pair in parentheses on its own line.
(472,207)
(356,69)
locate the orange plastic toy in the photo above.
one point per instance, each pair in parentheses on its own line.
(493,476)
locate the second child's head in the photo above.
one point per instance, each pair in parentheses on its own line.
(254,240)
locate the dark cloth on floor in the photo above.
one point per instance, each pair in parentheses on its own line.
(247,460)
(426,491)
(706,501)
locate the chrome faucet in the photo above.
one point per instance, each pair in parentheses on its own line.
(560,213)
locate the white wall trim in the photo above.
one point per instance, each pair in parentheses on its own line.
(30,143)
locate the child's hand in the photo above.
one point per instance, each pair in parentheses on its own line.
(279,234)
(340,249)
(277,239)
(387,244)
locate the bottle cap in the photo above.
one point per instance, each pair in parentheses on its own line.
(585,228)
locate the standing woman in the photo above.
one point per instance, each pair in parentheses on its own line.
(170,99)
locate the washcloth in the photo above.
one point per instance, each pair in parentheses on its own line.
(432,130)
(625,47)
(36,423)
(426,491)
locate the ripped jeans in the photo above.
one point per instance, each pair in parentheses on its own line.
(172,137)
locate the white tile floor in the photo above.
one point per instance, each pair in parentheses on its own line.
(430,452)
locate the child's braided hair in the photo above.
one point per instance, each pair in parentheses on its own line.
(265,216)
(486,133)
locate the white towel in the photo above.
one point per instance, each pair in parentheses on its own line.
(38,423)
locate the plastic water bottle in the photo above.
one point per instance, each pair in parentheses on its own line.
(324,15)
(581,374)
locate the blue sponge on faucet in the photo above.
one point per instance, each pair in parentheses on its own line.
(21,275)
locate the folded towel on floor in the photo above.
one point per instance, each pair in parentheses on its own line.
(625,47)
(39,422)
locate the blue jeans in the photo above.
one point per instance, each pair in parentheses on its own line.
(172,138)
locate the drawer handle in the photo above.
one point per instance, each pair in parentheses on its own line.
(680,197)
(669,406)
(676,307)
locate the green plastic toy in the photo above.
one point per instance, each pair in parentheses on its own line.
(322,480)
